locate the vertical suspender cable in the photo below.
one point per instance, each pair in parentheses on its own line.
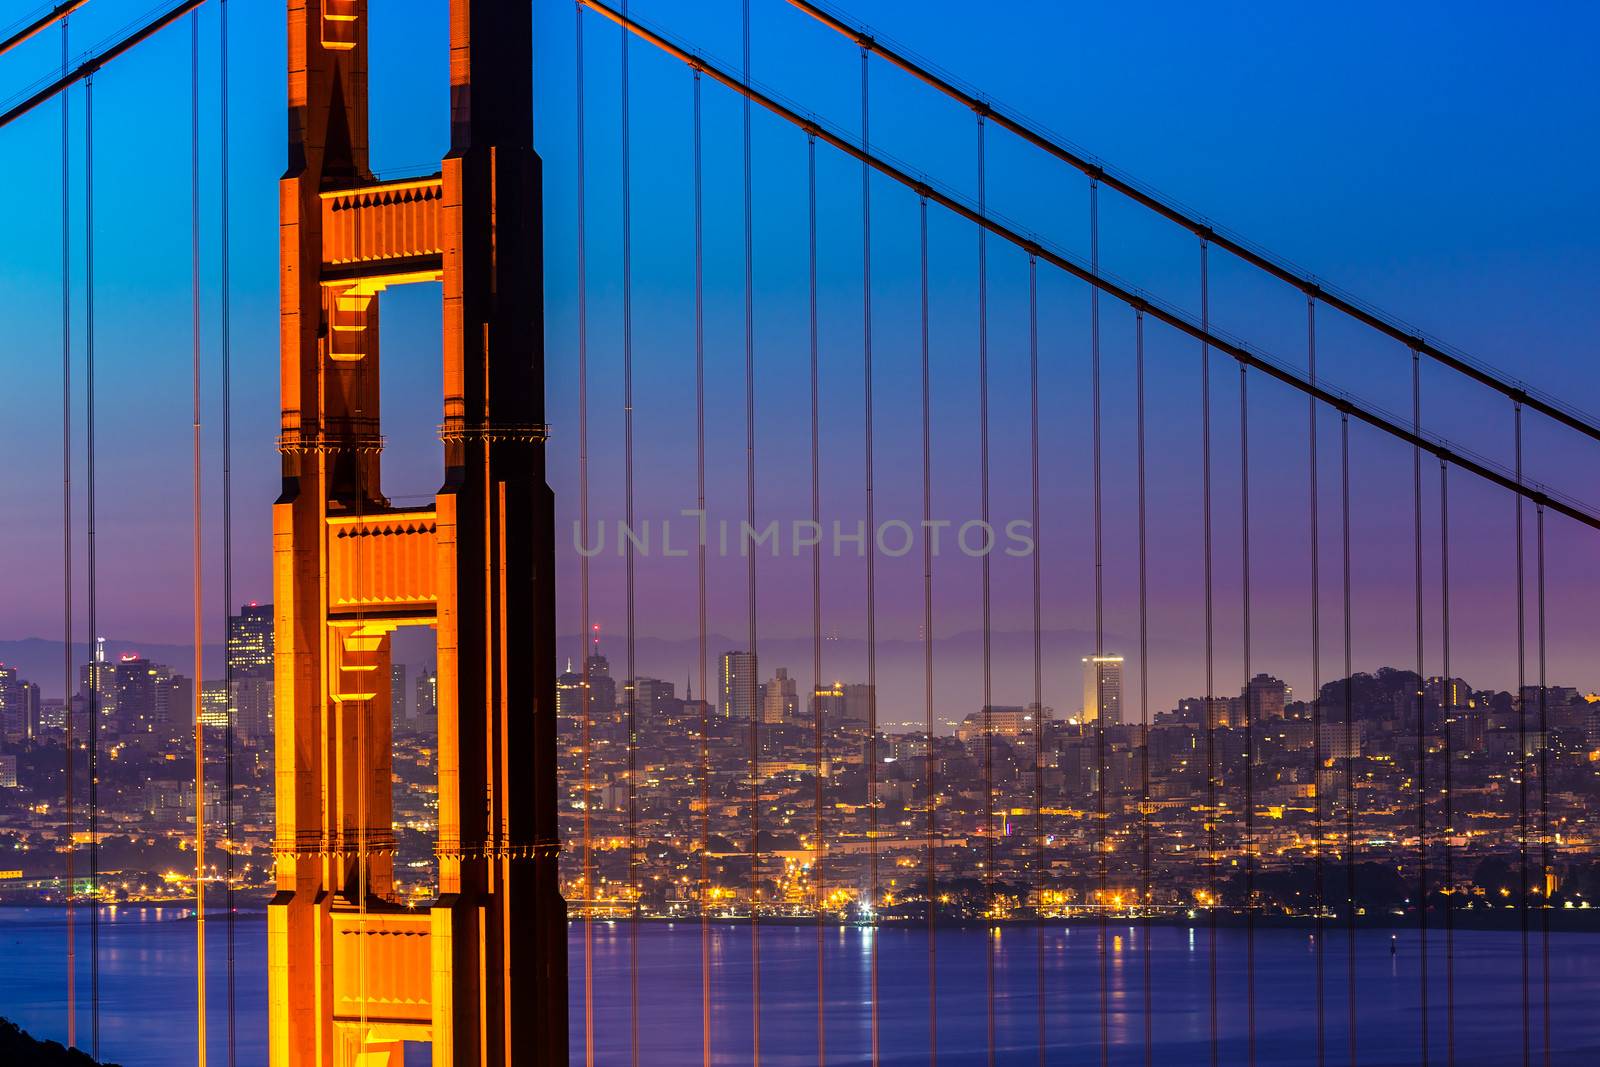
(224,309)
(817,708)
(1447,699)
(97,670)
(700,580)
(872,551)
(1521,704)
(71,768)
(1422,727)
(1544,797)
(583,556)
(750,518)
(1210,702)
(1249,716)
(1318,827)
(1144,693)
(1099,629)
(931,761)
(988,708)
(199,641)
(1349,744)
(1038,647)
(632,686)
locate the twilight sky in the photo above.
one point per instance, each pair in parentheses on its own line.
(1435,160)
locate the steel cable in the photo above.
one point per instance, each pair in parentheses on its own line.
(631,688)
(872,552)
(988,707)
(585,698)
(70,769)
(931,759)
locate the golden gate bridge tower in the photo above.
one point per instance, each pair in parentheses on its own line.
(481,972)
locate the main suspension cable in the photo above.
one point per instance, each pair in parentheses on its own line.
(59,13)
(872,553)
(583,556)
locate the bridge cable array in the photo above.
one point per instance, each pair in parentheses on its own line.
(1234,245)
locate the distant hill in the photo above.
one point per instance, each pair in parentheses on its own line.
(17,1049)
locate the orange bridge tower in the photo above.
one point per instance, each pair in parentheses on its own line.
(480,973)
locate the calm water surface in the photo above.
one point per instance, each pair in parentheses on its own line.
(147,1013)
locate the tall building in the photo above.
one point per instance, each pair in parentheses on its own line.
(736,675)
(780,702)
(250,639)
(842,702)
(1267,697)
(1102,690)
(137,681)
(19,707)
(399,704)
(569,695)
(427,700)
(602,688)
(250,646)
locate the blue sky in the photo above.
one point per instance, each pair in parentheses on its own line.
(1435,159)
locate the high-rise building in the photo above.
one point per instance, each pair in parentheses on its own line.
(651,696)
(399,704)
(842,702)
(427,700)
(569,694)
(138,712)
(736,675)
(1102,690)
(19,707)
(252,701)
(602,688)
(214,704)
(1267,697)
(250,639)
(780,702)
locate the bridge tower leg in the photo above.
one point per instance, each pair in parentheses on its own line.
(354,973)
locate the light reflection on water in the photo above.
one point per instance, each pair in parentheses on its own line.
(147,974)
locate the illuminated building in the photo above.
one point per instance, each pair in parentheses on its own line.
(736,678)
(779,701)
(1102,690)
(19,707)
